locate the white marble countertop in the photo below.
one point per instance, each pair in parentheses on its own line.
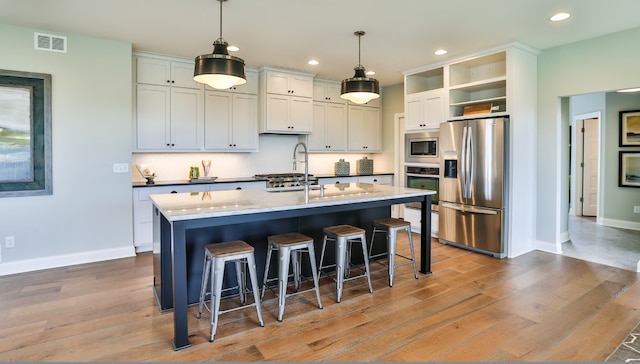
(196,205)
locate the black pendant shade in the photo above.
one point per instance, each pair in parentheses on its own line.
(360,89)
(218,69)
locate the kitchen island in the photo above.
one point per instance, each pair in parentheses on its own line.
(184,223)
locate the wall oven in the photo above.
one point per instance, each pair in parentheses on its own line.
(421,147)
(426,178)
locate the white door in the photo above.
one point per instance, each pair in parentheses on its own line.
(590,169)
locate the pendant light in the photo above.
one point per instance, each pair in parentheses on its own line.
(220,70)
(360,89)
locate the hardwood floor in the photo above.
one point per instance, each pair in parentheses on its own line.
(536,307)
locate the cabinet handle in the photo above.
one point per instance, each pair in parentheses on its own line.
(238,188)
(172,81)
(174,191)
(168,81)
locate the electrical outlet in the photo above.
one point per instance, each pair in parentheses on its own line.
(120,167)
(9,241)
(636,209)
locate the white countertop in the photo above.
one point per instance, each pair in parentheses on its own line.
(196,205)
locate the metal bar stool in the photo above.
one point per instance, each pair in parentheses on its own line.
(344,235)
(290,246)
(215,258)
(391,226)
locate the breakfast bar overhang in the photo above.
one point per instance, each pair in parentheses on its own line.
(184,223)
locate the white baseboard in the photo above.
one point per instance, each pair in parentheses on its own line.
(30,265)
(622,224)
(547,247)
(147,247)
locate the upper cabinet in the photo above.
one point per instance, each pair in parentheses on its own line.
(478,86)
(365,129)
(163,72)
(169,111)
(285,101)
(471,87)
(174,113)
(327,91)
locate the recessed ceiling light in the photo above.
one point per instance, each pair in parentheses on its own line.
(313,62)
(370,73)
(560,16)
(636,89)
(440,52)
(233,48)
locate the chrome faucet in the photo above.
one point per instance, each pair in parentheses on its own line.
(306,162)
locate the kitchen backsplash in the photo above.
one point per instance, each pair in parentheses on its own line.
(275,156)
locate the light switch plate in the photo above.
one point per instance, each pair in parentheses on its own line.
(120,167)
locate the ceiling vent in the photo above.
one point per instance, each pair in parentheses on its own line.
(51,43)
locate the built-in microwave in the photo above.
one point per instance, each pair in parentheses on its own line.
(421,147)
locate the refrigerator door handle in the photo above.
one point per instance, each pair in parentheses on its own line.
(471,209)
(470,163)
(451,206)
(476,210)
(463,162)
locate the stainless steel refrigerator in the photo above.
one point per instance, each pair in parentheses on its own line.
(473,184)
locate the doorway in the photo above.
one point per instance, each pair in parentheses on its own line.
(585,165)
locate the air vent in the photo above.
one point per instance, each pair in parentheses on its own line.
(51,43)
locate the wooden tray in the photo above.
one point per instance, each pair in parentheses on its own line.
(477,109)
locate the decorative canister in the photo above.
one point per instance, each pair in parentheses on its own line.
(364,166)
(194,172)
(342,168)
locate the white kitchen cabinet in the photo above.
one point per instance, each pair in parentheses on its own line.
(424,110)
(327,91)
(230,121)
(378,180)
(168,118)
(164,72)
(364,129)
(329,127)
(286,102)
(143,210)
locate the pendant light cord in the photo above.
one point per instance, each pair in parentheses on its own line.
(220,19)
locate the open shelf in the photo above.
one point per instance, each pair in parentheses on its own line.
(425,81)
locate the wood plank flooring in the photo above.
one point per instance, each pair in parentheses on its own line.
(536,307)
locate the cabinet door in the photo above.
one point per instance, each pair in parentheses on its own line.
(301,86)
(217,120)
(365,129)
(336,127)
(434,109)
(152,117)
(244,121)
(153,71)
(318,137)
(278,113)
(182,75)
(278,83)
(414,114)
(186,118)
(301,114)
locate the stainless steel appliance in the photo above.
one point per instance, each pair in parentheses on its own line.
(473,184)
(421,147)
(426,178)
(285,181)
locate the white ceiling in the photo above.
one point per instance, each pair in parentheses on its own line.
(400,34)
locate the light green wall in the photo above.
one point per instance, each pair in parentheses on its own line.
(91,130)
(599,64)
(392,103)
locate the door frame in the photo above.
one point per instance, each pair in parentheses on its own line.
(577,154)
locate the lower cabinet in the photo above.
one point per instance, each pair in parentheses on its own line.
(378,179)
(143,213)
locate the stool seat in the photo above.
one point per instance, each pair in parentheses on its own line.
(344,236)
(343,230)
(289,239)
(289,247)
(391,226)
(219,250)
(391,222)
(215,258)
